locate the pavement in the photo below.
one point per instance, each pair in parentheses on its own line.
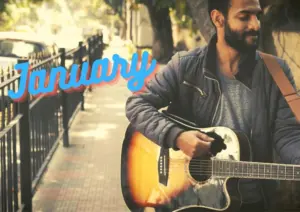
(86,175)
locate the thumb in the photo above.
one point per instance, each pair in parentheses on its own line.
(204,137)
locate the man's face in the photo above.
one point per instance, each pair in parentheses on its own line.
(242,25)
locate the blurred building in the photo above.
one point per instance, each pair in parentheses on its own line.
(139,29)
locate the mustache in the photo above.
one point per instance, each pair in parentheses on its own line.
(254,33)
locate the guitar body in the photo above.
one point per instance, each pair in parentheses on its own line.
(163,178)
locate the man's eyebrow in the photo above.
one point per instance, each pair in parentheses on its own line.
(258,12)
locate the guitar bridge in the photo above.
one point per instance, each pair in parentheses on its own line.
(163,166)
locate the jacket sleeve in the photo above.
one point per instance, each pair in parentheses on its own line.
(142,110)
(287,129)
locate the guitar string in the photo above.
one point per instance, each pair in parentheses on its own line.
(240,169)
(248,176)
(259,175)
(235,166)
(234,161)
(236,171)
(241,163)
(208,169)
(246,166)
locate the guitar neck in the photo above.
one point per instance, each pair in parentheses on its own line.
(255,170)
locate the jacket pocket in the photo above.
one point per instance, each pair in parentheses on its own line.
(199,90)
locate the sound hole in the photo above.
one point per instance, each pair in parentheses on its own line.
(200,169)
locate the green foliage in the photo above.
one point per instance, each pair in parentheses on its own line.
(10,11)
(2,5)
(24,3)
(182,16)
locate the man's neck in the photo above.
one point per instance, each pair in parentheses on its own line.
(227,59)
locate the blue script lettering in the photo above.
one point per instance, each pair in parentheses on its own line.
(136,75)
(23,67)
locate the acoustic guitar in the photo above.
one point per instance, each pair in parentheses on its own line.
(152,176)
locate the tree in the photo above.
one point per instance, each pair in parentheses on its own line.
(162,48)
(159,12)
(9,15)
(3,3)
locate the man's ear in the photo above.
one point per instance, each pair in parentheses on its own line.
(217,18)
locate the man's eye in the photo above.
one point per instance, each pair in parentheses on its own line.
(244,18)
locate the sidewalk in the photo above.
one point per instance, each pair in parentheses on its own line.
(86,176)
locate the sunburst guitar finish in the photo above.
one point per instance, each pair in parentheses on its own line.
(170,180)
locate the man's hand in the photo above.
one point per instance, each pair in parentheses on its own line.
(194,143)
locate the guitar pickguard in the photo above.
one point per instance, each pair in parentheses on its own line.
(211,193)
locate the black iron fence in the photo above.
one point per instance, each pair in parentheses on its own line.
(31,129)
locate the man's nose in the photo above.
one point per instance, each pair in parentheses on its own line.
(254,23)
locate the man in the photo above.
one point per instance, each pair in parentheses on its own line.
(225,83)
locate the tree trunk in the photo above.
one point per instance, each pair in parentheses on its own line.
(163,46)
(200,15)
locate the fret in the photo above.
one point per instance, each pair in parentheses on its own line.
(241,167)
(267,171)
(261,170)
(274,171)
(281,172)
(221,168)
(255,170)
(233,167)
(237,170)
(248,173)
(244,169)
(227,168)
(289,172)
(297,173)
(216,168)
(212,168)
(293,172)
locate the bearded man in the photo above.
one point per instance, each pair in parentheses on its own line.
(225,83)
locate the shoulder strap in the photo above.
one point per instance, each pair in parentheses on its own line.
(283,83)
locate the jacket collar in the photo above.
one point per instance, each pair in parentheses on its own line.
(246,64)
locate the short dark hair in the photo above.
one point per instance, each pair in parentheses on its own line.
(220,5)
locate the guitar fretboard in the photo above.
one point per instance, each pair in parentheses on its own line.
(240,169)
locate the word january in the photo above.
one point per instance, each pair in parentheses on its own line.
(48,83)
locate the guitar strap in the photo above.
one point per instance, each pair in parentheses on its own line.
(286,88)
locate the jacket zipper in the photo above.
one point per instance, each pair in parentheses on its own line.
(214,116)
(202,93)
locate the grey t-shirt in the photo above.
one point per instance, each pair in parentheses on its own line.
(234,112)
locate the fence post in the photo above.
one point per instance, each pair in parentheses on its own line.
(80,65)
(64,103)
(101,44)
(90,57)
(25,153)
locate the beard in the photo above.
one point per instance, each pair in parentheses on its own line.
(238,40)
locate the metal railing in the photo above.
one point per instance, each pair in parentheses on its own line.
(31,129)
